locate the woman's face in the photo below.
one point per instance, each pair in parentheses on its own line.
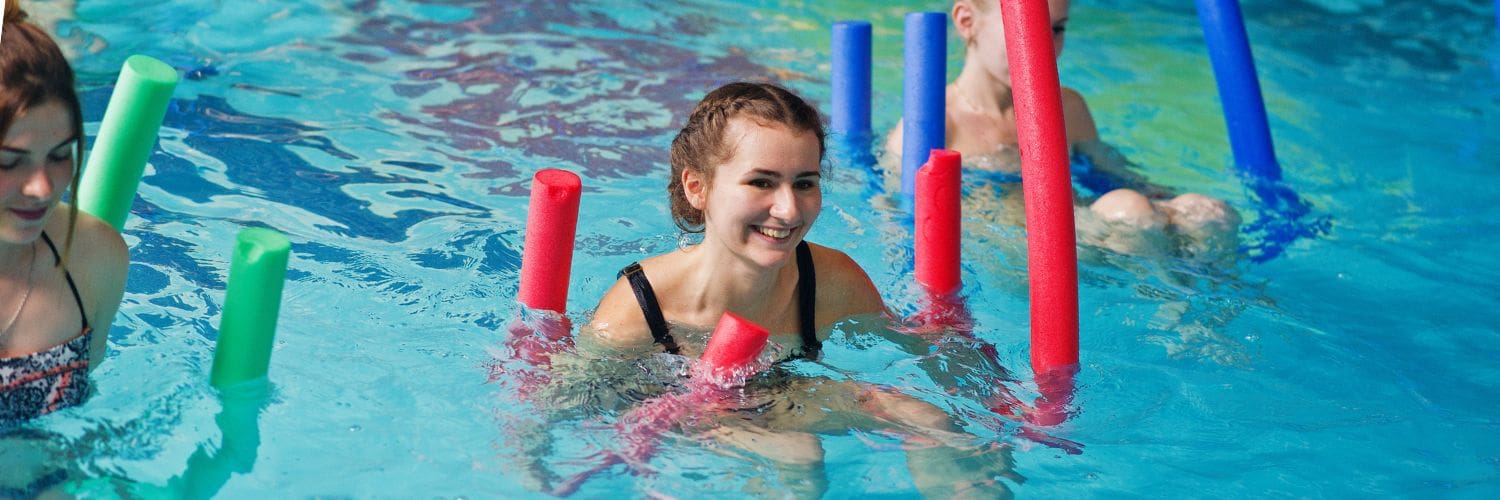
(764,199)
(988,37)
(36,166)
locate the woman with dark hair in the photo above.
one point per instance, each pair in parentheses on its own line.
(62,272)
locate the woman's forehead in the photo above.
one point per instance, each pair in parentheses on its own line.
(46,125)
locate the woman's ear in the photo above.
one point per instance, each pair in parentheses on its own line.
(695,187)
(963,21)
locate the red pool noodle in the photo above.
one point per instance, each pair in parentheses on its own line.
(937,223)
(734,345)
(1050,240)
(547,255)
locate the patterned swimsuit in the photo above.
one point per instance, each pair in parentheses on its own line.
(43,382)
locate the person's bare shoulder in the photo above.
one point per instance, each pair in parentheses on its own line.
(618,321)
(844,289)
(1077,118)
(98,260)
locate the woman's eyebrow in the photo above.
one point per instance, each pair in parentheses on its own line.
(65,142)
(19,151)
(777,175)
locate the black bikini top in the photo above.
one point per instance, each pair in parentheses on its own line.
(807,295)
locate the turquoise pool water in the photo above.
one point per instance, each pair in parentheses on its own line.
(393,143)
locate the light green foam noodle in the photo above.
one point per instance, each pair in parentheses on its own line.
(251,305)
(126,137)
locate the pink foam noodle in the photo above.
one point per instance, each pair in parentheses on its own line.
(937,223)
(536,340)
(1047,182)
(734,345)
(731,354)
(547,255)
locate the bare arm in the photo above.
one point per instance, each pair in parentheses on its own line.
(101,261)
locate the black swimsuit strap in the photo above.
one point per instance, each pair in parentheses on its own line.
(807,299)
(57,257)
(646,297)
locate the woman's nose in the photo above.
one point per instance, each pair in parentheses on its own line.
(784,204)
(38,184)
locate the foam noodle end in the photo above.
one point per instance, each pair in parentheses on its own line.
(551,227)
(938,223)
(252,302)
(735,344)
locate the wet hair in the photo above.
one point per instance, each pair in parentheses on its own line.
(33,72)
(701,146)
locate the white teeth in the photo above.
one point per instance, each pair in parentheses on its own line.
(774,233)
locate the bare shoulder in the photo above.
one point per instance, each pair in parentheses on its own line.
(1077,118)
(618,321)
(98,245)
(1072,100)
(98,261)
(844,289)
(97,257)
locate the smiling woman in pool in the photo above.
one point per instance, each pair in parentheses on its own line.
(747,172)
(62,272)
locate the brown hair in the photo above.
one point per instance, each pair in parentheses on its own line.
(33,71)
(700,145)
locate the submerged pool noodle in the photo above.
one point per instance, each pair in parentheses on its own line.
(851,79)
(126,137)
(1239,88)
(1050,240)
(937,223)
(735,344)
(251,306)
(923,96)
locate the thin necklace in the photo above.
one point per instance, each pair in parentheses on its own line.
(30,273)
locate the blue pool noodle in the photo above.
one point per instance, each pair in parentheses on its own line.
(851,78)
(923,94)
(1239,88)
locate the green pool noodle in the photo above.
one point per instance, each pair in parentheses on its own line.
(251,305)
(211,467)
(126,137)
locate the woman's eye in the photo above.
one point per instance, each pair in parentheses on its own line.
(805,185)
(10,163)
(1058,30)
(65,156)
(760,183)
